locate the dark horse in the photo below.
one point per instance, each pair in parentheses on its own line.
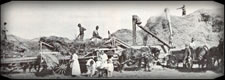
(199,56)
(124,58)
(137,56)
(36,64)
(130,57)
(148,60)
(216,54)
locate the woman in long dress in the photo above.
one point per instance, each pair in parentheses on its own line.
(76,66)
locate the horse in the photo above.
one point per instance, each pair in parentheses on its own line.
(221,50)
(130,57)
(155,52)
(148,61)
(198,55)
(216,54)
(177,57)
(124,58)
(36,64)
(202,57)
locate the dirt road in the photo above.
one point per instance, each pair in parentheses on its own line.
(156,73)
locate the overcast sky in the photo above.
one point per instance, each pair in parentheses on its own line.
(32,19)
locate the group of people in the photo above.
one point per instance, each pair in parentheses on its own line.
(103,65)
(82,29)
(95,34)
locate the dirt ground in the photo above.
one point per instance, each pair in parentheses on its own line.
(157,73)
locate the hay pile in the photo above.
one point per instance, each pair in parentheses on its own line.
(206,32)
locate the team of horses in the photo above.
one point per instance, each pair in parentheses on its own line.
(205,57)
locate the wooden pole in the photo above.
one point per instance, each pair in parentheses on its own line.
(134,29)
(169,24)
(41,51)
(154,36)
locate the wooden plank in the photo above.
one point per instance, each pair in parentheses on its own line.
(18,60)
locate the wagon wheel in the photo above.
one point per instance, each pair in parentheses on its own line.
(61,67)
(172,62)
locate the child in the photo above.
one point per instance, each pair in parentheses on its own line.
(110,67)
(91,67)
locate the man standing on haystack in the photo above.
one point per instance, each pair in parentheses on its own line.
(82,29)
(183,10)
(3,32)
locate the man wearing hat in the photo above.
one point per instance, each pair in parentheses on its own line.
(82,29)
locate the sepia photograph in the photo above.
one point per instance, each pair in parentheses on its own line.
(112,40)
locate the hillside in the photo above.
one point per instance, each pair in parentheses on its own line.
(205,30)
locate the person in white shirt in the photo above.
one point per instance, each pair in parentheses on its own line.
(76,65)
(109,67)
(103,58)
(192,44)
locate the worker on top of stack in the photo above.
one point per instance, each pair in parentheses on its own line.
(183,10)
(96,38)
(82,29)
(3,32)
(96,34)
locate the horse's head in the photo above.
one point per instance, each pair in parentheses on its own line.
(155,52)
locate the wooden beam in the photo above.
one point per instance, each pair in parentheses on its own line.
(134,29)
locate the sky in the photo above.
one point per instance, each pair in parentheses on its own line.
(32,19)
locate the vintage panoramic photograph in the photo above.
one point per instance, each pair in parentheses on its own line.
(112,40)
